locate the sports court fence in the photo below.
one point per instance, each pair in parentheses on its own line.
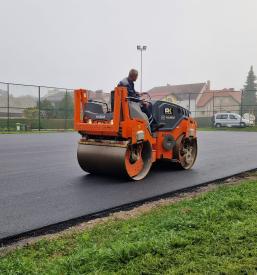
(30,107)
(204,106)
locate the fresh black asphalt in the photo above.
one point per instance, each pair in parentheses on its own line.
(42,184)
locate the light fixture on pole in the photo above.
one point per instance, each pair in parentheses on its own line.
(141,49)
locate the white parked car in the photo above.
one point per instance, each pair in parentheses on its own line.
(230,120)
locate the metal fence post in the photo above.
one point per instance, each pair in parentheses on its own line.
(8,107)
(195,112)
(213,103)
(241,105)
(213,106)
(39,107)
(189,102)
(66,108)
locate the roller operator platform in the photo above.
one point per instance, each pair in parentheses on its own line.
(118,140)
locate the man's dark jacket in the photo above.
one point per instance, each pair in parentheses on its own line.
(129,84)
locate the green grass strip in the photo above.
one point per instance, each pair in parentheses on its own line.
(214,233)
(238,129)
(35,132)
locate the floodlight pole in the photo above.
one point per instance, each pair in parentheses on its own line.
(141,49)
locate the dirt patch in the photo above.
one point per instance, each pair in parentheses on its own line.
(135,212)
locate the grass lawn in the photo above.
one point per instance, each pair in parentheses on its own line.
(213,233)
(246,129)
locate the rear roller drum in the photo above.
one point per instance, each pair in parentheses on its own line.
(185,152)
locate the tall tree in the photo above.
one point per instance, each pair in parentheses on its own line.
(249,100)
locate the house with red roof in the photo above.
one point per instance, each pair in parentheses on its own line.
(199,98)
(214,101)
(185,95)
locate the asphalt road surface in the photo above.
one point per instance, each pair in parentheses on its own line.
(42,184)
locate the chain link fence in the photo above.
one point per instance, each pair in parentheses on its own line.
(203,106)
(30,107)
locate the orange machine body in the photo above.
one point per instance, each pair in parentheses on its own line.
(127,128)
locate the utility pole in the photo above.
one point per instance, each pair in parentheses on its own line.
(141,49)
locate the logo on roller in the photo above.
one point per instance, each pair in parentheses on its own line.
(168,111)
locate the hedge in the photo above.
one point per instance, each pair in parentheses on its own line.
(33,123)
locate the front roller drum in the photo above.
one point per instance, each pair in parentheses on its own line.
(133,161)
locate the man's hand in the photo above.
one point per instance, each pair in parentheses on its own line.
(145,103)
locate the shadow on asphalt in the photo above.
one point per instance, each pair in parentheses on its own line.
(165,166)
(104,179)
(156,169)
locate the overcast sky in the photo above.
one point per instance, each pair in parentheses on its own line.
(92,44)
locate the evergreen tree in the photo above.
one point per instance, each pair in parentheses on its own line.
(249,100)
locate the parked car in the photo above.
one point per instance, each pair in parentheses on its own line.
(230,120)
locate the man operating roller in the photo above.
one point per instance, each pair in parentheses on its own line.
(128,82)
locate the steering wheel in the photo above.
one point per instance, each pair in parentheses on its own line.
(145,96)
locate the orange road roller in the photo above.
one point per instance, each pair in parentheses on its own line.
(119,140)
